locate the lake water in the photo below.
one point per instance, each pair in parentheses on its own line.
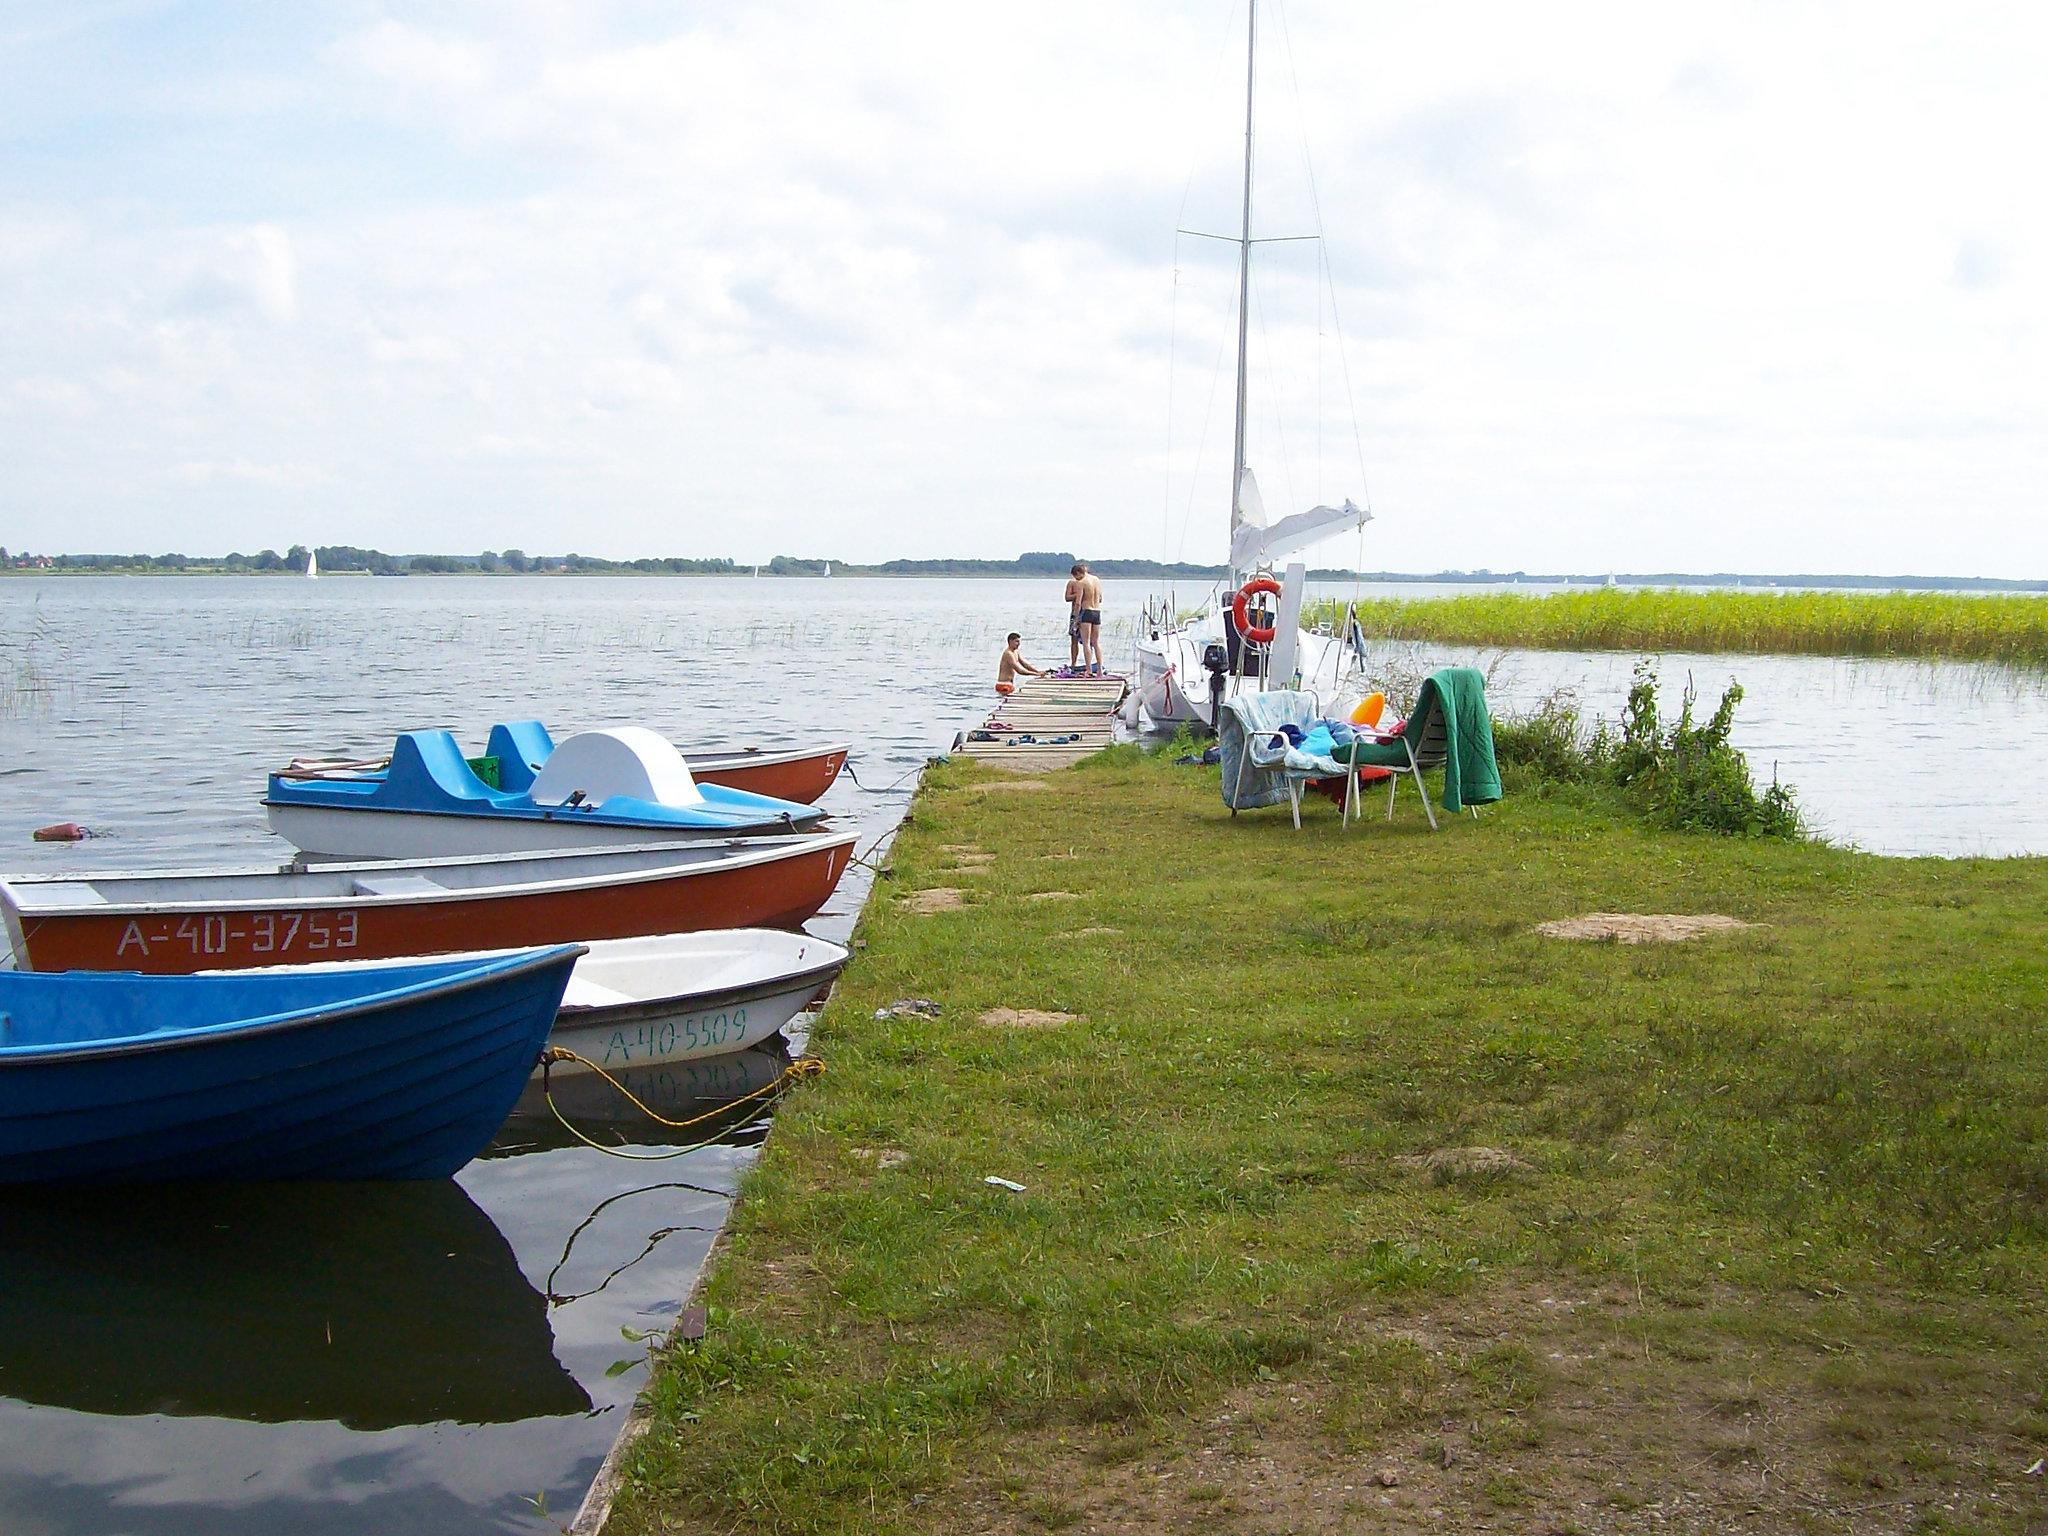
(434,1359)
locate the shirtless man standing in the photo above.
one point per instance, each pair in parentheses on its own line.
(1084,597)
(1072,598)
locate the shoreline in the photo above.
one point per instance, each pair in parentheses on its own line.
(1747,586)
(1349,1197)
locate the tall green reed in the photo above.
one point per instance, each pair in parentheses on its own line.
(2011,630)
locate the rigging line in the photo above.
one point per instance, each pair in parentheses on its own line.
(1201,443)
(1315,201)
(1272,374)
(1172,360)
(1180,216)
(1223,43)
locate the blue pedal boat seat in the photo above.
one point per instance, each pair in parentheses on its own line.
(520,746)
(638,784)
(348,1072)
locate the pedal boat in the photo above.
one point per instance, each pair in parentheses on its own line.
(598,788)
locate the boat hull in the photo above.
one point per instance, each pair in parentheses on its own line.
(320,832)
(1173,685)
(410,1085)
(680,1023)
(801,774)
(778,887)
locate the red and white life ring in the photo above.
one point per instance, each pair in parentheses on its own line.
(1259,634)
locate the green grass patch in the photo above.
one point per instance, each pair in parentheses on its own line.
(2008,629)
(1770,1224)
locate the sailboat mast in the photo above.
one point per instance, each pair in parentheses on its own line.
(1244,269)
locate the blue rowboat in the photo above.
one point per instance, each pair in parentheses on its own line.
(378,1073)
(598,788)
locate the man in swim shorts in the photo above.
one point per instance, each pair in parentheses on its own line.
(1072,599)
(1012,663)
(1084,597)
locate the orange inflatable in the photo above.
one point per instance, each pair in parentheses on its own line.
(1369,709)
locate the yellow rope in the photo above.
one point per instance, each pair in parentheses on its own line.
(803,1067)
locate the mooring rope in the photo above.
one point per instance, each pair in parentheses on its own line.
(803,1067)
(887,789)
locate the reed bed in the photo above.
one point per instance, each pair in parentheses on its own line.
(24,688)
(2010,630)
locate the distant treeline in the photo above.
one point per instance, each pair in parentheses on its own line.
(336,558)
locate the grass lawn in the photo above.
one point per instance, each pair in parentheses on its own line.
(1352,1203)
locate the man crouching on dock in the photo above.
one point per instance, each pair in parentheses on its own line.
(1012,663)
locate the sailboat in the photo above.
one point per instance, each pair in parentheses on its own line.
(312,566)
(1187,667)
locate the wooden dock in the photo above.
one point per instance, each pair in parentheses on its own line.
(1049,710)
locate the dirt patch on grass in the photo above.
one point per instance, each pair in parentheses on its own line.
(882,1158)
(1091,933)
(1019,785)
(1535,1408)
(1028,1018)
(1053,896)
(1463,1162)
(937,898)
(1641,927)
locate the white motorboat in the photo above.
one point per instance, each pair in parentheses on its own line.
(1186,664)
(669,997)
(686,996)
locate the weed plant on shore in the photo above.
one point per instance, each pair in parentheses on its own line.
(1689,778)
(2011,630)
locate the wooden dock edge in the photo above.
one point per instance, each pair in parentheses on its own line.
(596,1507)
(1042,707)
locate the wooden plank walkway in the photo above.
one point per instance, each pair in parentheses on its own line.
(1078,707)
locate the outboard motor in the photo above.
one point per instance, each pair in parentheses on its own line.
(1216,662)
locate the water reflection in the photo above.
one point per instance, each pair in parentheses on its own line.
(371,1305)
(725,1098)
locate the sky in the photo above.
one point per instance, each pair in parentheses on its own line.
(1599,287)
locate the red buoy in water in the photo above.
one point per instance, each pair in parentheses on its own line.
(60,832)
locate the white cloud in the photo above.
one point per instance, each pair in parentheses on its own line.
(242,472)
(1623,287)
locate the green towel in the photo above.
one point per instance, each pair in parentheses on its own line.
(1470,774)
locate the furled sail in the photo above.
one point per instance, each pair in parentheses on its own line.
(1253,545)
(1250,511)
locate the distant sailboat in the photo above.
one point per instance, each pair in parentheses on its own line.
(828,567)
(312,566)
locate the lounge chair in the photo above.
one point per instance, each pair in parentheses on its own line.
(1449,728)
(1260,766)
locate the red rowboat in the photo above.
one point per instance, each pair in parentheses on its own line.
(178,922)
(791,773)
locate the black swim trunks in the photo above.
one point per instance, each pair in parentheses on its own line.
(1089,616)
